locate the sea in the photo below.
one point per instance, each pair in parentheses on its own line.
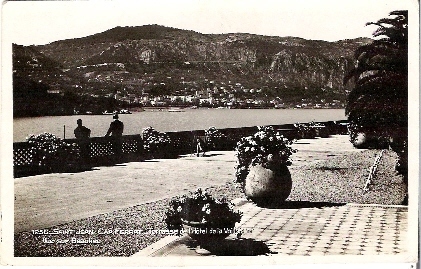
(165,120)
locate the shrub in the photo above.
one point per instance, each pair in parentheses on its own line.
(52,152)
(215,138)
(199,206)
(156,142)
(306,130)
(266,147)
(364,137)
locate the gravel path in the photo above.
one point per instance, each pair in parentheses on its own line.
(54,199)
(342,179)
(338,179)
(144,218)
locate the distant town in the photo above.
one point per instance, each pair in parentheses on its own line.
(211,94)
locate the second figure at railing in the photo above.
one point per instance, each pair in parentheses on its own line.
(82,135)
(116,131)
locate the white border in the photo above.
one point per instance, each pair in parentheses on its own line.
(7,197)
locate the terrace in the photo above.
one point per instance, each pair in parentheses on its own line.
(328,213)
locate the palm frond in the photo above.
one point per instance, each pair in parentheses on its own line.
(395,23)
(379,99)
(401,13)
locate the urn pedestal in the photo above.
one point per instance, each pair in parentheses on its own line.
(266,186)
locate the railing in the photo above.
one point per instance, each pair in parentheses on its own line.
(103,152)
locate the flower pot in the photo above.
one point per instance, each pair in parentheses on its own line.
(206,236)
(268,186)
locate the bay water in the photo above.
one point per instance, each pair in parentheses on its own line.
(165,121)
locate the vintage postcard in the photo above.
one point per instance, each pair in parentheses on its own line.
(190,133)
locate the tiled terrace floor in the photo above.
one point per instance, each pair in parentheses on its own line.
(352,229)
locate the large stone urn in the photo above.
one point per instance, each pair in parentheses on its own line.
(266,186)
(360,140)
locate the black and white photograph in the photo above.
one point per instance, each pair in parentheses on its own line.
(192,132)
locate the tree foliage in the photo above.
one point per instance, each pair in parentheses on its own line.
(377,105)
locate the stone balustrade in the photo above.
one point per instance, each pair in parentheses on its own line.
(102,151)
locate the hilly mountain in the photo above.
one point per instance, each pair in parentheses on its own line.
(41,87)
(158,60)
(31,65)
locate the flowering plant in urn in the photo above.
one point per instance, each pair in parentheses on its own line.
(306,130)
(201,208)
(155,142)
(266,147)
(214,137)
(53,152)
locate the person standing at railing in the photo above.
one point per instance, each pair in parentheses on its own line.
(82,134)
(116,131)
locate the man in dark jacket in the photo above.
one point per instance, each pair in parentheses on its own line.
(116,131)
(82,134)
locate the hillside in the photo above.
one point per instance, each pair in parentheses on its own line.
(41,87)
(154,60)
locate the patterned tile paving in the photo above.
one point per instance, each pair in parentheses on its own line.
(337,230)
(348,229)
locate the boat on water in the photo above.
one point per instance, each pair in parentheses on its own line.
(122,111)
(175,109)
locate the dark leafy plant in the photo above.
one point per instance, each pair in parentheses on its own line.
(266,147)
(201,207)
(52,152)
(377,105)
(306,130)
(214,138)
(155,142)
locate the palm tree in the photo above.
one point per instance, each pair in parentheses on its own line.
(377,105)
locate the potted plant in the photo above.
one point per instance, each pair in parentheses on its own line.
(321,129)
(366,138)
(262,166)
(157,144)
(52,154)
(204,218)
(215,139)
(306,130)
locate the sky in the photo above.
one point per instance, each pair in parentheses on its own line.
(42,22)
